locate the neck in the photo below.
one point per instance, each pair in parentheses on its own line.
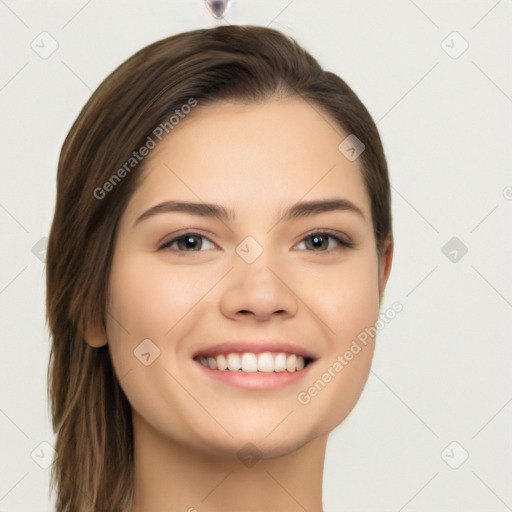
(172,477)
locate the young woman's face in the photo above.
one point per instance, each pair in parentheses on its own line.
(256,281)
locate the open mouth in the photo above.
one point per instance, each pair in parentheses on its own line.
(251,362)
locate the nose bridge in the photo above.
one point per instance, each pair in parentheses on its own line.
(257,284)
(250,250)
(258,262)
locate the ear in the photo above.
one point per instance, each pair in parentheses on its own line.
(385,263)
(95,336)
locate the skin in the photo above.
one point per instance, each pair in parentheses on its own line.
(257,160)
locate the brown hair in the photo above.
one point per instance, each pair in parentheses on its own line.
(93,470)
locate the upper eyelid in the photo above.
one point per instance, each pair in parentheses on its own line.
(343,239)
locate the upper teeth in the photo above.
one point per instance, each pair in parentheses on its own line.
(249,362)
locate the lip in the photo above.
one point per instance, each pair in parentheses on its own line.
(256,347)
(258,380)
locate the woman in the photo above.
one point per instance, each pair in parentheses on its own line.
(221,244)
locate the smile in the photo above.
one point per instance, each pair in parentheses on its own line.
(255,371)
(251,362)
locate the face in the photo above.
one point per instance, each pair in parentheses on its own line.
(265,283)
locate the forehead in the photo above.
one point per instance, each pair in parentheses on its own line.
(252,155)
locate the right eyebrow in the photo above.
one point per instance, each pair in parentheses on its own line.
(202,209)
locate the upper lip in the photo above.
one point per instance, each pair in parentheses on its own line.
(256,346)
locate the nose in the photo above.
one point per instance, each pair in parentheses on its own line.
(259,292)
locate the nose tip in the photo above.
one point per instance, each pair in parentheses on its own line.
(257,314)
(257,292)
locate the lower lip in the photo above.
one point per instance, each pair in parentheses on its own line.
(256,380)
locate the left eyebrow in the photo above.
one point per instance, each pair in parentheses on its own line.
(306,208)
(297,210)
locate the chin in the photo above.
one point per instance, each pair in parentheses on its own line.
(255,438)
(255,447)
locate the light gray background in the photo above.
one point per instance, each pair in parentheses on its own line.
(442,367)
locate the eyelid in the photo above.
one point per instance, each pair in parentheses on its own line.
(180,234)
(342,239)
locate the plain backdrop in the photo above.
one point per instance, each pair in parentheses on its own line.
(432,431)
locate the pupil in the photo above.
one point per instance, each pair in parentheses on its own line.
(189,242)
(317,241)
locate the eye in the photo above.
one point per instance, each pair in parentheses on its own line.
(189,242)
(320,242)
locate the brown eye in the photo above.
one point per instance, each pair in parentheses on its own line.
(189,242)
(321,242)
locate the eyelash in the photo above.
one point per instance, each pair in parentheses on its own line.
(343,244)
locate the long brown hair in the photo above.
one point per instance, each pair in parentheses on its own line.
(93,470)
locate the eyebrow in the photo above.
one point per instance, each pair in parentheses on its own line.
(297,210)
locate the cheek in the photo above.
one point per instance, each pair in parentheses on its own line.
(345,300)
(148,298)
(145,304)
(348,305)
(151,300)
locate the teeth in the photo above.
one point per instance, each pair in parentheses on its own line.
(248,362)
(265,362)
(222,364)
(233,362)
(280,362)
(291,363)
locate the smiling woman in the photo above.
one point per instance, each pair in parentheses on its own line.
(195,300)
